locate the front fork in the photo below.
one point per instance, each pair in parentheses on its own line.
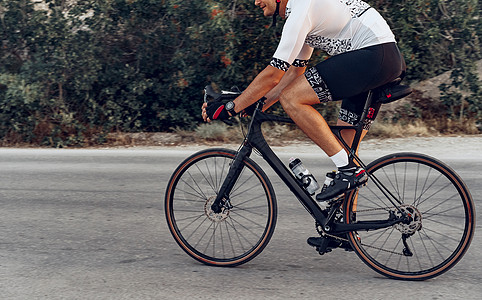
(222,199)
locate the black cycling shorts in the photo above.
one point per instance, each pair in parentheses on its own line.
(350,75)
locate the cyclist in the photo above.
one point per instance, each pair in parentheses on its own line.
(364,55)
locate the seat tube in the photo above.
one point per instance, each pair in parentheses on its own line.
(361,123)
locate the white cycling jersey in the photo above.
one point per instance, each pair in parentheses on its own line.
(335,26)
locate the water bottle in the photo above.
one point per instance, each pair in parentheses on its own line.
(304,176)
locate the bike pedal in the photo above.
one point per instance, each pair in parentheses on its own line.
(322,245)
(322,251)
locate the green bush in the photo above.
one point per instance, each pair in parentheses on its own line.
(73,73)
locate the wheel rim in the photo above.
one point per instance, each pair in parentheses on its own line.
(232,236)
(441,226)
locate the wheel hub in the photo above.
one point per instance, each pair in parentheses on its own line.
(215,217)
(415,220)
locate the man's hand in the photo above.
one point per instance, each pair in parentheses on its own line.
(214,111)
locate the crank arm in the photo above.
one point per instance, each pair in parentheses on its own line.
(364,225)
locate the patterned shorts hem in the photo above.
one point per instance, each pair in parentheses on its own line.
(318,85)
(352,118)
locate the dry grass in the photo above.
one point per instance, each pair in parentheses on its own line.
(389,130)
(282,134)
(275,133)
(449,126)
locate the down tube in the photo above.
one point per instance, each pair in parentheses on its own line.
(289,180)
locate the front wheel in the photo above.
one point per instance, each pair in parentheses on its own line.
(441,217)
(236,234)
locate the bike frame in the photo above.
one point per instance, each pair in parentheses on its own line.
(255,139)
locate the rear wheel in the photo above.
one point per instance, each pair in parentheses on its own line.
(442,217)
(235,235)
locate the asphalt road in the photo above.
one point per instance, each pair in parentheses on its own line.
(89,224)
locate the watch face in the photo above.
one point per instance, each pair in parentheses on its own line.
(229,106)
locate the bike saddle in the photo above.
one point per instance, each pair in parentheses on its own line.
(391,91)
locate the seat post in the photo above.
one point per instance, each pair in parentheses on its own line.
(361,123)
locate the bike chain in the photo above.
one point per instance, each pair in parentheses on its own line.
(365,245)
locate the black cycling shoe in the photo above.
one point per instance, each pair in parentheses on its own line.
(345,180)
(328,179)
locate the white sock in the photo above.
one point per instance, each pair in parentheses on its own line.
(340,159)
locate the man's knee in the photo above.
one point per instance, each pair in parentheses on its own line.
(297,94)
(285,100)
(291,100)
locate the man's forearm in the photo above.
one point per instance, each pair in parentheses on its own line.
(259,87)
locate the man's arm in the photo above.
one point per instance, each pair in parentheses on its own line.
(268,80)
(264,82)
(268,83)
(273,95)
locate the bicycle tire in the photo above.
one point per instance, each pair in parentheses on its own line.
(232,237)
(442,211)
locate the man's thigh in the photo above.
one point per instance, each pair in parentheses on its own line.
(299,91)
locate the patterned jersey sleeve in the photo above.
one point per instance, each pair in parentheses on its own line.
(303,57)
(292,48)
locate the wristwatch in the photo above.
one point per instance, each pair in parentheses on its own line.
(229,106)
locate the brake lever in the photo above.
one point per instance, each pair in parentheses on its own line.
(206,93)
(228,122)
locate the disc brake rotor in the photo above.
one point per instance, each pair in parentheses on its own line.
(215,217)
(415,218)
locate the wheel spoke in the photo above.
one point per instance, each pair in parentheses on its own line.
(432,196)
(236,234)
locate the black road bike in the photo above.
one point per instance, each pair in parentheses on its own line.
(413,220)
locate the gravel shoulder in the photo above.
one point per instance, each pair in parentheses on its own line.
(443,147)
